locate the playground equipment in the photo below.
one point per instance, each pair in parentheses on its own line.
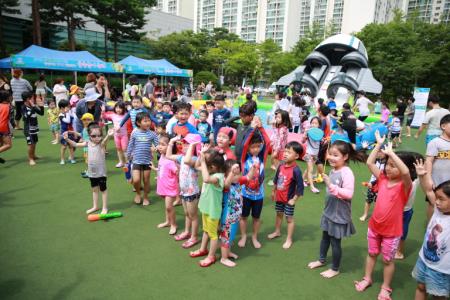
(337,65)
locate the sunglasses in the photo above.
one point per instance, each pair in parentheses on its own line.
(95,136)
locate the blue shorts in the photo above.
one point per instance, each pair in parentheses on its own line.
(407,216)
(255,206)
(436,283)
(54,127)
(285,208)
(429,138)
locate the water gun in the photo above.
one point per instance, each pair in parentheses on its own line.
(127,170)
(97,217)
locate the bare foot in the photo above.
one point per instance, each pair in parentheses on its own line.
(242,241)
(146,202)
(233,255)
(274,235)
(91,210)
(315,264)
(256,243)
(104,211)
(399,256)
(162,225)
(287,244)
(137,199)
(173,230)
(363,218)
(32,162)
(227,262)
(330,273)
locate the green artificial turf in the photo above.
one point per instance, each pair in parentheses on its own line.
(49,250)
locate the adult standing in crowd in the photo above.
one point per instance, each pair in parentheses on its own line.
(41,87)
(91,80)
(60,91)
(362,103)
(92,104)
(19,86)
(149,88)
(102,88)
(432,120)
(401,108)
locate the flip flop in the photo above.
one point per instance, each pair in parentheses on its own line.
(189,243)
(359,284)
(198,253)
(209,263)
(385,294)
(182,236)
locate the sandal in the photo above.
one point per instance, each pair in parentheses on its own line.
(189,243)
(362,285)
(385,294)
(198,253)
(211,260)
(182,236)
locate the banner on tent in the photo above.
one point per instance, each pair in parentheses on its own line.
(136,69)
(420,104)
(20,61)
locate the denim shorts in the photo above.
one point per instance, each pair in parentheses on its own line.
(436,283)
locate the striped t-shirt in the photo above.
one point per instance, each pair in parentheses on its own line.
(18,86)
(396,126)
(139,146)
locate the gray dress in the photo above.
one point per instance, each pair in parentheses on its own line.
(337,215)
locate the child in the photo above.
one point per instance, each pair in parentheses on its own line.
(75,94)
(5,126)
(96,163)
(372,186)
(30,119)
(377,106)
(279,136)
(189,189)
(137,107)
(395,129)
(86,119)
(65,121)
(225,138)
(139,151)
(203,127)
(295,110)
(410,111)
(219,115)
(334,119)
(182,127)
(246,114)
(232,208)
(385,112)
(210,108)
(256,149)
(437,157)
(53,121)
(325,124)
(385,225)
(407,216)
(432,269)
(287,190)
(336,221)
(312,151)
(167,183)
(120,133)
(331,103)
(210,205)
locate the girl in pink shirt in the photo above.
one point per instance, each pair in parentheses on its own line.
(120,133)
(386,223)
(167,183)
(279,136)
(385,112)
(336,221)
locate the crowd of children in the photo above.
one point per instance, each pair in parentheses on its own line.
(189,142)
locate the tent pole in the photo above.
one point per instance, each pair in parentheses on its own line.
(123,81)
(75,74)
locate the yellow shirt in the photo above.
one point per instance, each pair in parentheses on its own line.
(53,114)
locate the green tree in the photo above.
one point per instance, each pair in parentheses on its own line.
(121,20)
(205,76)
(70,12)
(8,7)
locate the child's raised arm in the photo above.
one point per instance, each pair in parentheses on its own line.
(373,155)
(205,173)
(425,180)
(72,143)
(169,154)
(108,135)
(230,178)
(404,171)
(188,157)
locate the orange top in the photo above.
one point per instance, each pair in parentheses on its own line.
(4,117)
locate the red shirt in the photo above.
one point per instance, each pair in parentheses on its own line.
(288,182)
(4,117)
(387,217)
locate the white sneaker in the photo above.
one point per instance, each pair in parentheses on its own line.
(62,162)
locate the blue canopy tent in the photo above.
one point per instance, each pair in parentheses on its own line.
(36,57)
(161,67)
